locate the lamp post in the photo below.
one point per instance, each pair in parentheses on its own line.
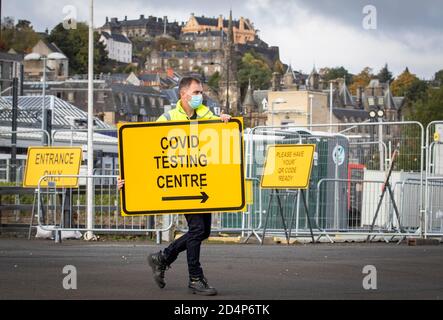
(331,97)
(377,115)
(90,185)
(311,97)
(276,101)
(38,57)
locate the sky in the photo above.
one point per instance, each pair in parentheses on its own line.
(325,33)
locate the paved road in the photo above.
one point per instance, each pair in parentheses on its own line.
(116,270)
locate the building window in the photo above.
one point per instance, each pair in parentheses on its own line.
(100,97)
(71,96)
(3,170)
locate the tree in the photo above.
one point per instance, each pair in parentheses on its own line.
(439,77)
(74,44)
(361,80)
(401,85)
(429,107)
(255,68)
(385,75)
(214,81)
(338,72)
(20,37)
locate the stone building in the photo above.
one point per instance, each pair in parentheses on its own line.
(207,62)
(147,28)
(206,40)
(244,30)
(55,69)
(11,67)
(118,46)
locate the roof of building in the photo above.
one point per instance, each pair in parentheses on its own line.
(350,113)
(11,57)
(128,88)
(140,22)
(30,111)
(116,37)
(193,54)
(151,77)
(259,96)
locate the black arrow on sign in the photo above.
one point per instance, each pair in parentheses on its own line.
(203,198)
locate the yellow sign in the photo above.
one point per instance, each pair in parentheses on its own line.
(249,191)
(436,136)
(44,161)
(288,166)
(181,167)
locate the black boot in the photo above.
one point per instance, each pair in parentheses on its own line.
(158,264)
(200,286)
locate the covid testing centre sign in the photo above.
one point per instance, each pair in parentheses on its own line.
(181,167)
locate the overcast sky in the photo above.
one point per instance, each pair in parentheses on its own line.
(321,32)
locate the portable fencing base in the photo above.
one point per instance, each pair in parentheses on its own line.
(387,186)
(280,210)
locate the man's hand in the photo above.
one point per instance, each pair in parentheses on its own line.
(120,183)
(225,117)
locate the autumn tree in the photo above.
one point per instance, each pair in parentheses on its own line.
(21,36)
(361,80)
(401,85)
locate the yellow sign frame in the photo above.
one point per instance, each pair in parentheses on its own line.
(268,180)
(30,180)
(236,124)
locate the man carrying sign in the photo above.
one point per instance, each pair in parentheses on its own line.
(189,107)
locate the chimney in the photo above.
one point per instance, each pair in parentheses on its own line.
(107,19)
(142,17)
(126,18)
(359,95)
(220,22)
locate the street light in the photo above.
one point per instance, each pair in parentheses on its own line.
(379,114)
(311,97)
(38,57)
(276,101)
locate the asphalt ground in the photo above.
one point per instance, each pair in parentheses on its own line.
(118,270)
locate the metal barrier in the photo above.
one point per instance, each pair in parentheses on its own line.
(247,223)
(65,208)
(433,218)
(332,187)
(338,202)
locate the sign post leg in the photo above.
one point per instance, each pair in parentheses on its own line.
(266,220)
(307,215)
(280,207)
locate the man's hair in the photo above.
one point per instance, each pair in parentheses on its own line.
(186,82)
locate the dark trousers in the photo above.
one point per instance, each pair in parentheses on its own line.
(199,229)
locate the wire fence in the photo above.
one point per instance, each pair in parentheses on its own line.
(348,175)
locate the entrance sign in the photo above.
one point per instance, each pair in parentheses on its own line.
(42,161)
(181,167)
(288,166)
